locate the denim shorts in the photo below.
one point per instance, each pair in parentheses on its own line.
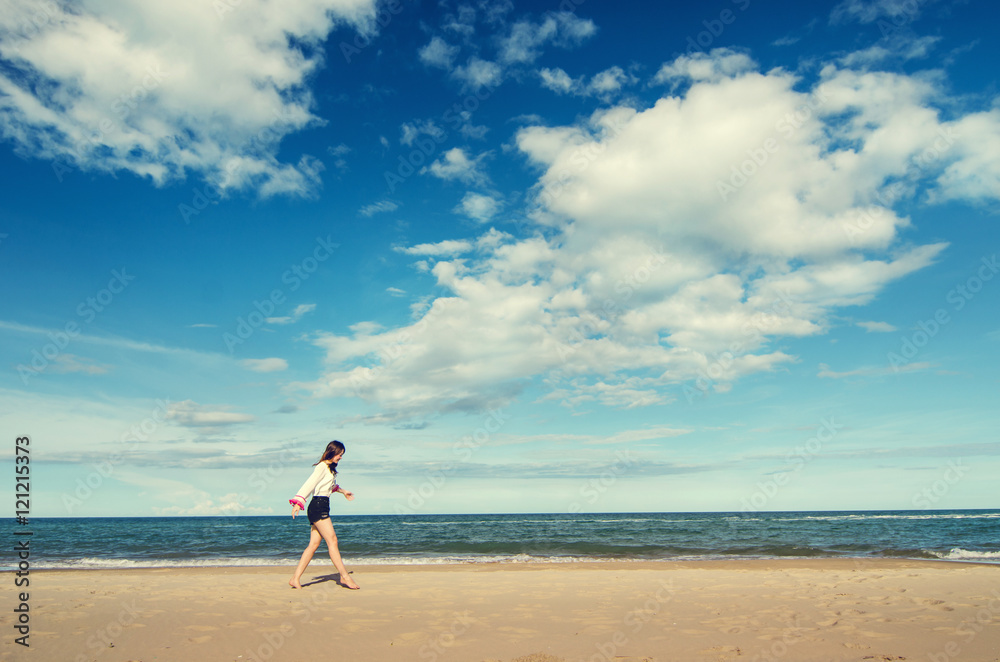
(319,508)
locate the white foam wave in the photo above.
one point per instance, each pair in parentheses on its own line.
(109,564)
(914,517)
(959,554)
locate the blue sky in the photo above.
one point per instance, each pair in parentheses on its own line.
(518,257)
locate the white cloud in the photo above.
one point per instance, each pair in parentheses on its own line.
(650,280)
(64,363)
(721,63)
(455,164)
(479,73)
(558,80)
(462,22)
(517,45)
(478,207)
(378,208)
(898,12)
(338,153)
(786,41)
(895,47)
(870,371)
(447,248)
(366,328)
(265,365)
(877,327)
(632,436)
(969,148)
(411,131)
(523,44)
(190,414)
(227,505)
(123,344)
(604,84)
(608,81)
(296,315)
(166,90)
(438,53)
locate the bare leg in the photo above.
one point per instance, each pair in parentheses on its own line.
(314,540)
(325,528)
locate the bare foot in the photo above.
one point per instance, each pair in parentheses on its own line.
(294,583)
(349,583)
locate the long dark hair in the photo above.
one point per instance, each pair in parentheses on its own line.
(332,450)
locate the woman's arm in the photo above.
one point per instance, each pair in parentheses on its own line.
(308,487)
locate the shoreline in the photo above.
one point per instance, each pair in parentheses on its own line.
(662,564)
(813,609)
(652,564)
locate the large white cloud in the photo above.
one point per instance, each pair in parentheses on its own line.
(166,89)
(679,242)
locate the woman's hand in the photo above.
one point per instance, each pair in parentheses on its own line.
(348,495)
(295,510)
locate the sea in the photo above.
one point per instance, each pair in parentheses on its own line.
(157,542)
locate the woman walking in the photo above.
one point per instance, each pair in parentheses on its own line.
(320,486)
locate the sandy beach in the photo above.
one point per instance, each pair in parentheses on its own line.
(815,609)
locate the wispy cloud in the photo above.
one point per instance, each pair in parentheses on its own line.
(190,414)
(296,315)
(438,53)
(379,207)
(876,327)
(446,248)
(526,38)
(900,12)
(64,363)
(871,371)
(265,365)
(605,84)
(115,342)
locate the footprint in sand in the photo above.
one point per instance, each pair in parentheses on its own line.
(936,604)
(538,657)
(411,637)
(722,650)
(517,631)
(267,614)
(201,628)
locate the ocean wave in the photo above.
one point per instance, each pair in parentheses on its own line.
(90,563)
(959,554)
(124,564)
(458,559)
(904,517)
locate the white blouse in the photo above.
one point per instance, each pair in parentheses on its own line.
(322,482)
